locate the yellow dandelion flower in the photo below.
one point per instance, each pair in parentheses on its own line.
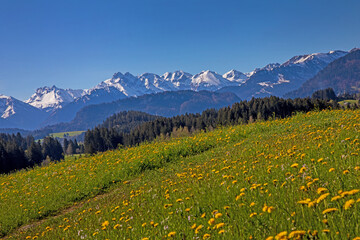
(206,236)
(193,226)
(322,197)
(219,225)
(321,190)
(171,234)
(348,204)
(335,198)
(305,202)
(329,210)
(297,233)
(105,224)
(270,238)
(253,214)
(331,169)
(221,231)
(281,235)
(218,215)
(197,230)
(295,165)
(211,221)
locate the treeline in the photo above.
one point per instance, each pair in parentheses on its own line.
(104,138)
(17,152)
(71,147)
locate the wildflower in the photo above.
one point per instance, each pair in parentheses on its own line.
(321,190)
(348,204)
(329,210)
(253,214)
(105,224)
(335,198)
(197,230)
(206,236)
(322,197)
(193,226)
(218,215)
(281,235)
(295,165)
(305,202)
(221,231)
(211,221)
(171,234)
(219,225)
(331,169)
(297,233)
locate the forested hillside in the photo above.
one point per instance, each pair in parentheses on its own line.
(105,137)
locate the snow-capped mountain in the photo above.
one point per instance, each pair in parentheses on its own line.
(180,80)
(236,76)
(277,79)
(50,98)
(17,114)
(208,80)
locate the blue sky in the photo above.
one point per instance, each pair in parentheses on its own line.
(77,44)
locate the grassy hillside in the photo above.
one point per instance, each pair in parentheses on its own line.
(67,134)
(293,177)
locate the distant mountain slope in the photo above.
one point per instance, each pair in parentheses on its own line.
(17,114)
(95,96)
(162,104)
(278,79)
(50,98)
(343,75)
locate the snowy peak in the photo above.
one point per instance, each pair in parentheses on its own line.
(50,98)
(9,106)
(176,76)
(315,58)
(235,76)
(208,80)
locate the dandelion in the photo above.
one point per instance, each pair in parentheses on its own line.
(322,197)
(336,198)
(206,236)
(297,234)
(197,230)
(171,234)
(281,235)
(219,225)
(321,190)
(348,204)
(221,231)
(329,210)
(218,215)
(211,221)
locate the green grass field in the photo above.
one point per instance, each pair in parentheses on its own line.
(296,178)
(69,134)
(342,103)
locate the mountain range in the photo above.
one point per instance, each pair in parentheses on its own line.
(52,105)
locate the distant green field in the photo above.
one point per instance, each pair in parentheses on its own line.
(68,134)
(348,101)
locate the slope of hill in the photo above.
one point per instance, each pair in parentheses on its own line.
(342,75)
(278,79)
(302,171)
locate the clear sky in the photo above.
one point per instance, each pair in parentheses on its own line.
(77,44)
